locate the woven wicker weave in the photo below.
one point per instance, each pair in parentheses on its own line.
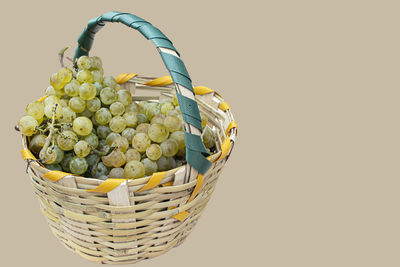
(141,218)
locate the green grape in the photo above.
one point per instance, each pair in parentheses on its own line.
(37,142)
(171,163)
(82,149)
(141,142)
(128,133)
(103,116)
(118,87)
(132,107)
(151,110)
(82,126)
(109,81)
(179,137)
(174,113)
(72,88)
(175,100)
(111,137)
(116,173)
(53,167)
(84,76)
(78,165)
(84,63)
(97,76)
(158,119)
(103,131)
(121,143)
(86,113)
(166,107)
(54,155)
(98,88)
(27,125)
(66,140)
(51,100)
(96,62)
(93,104)
(77,104)
(103,147)
(60,93)
(92,140)
(65,162)
(92,159)
(131,118)
(181,152)
(117,108)
(64,102)
(87,91)
(64,75)
(204,120)
(132,154)
(108,95)
(169,147)
(99,170)
(56,82)
(150,166)
(162,163)
(158,133)
(141,118)
(117,124)
(154,152)
(50,91)
(125,97)
(208,138)
(68,115)
(114,159)
(143,128)
(35,109)
(134,169)
(53,109)
(172,123)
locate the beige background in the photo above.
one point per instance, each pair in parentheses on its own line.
(314,177)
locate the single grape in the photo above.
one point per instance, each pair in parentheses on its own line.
(56,82)
(86,113)
(181,152)
(98,88)
(103,116)
(64,75)
(141,118)
(82,126)
(158,133)
(68,115)
(109,81)
(54,155)
(174,113)
(150,166)
(151,109)
(128,133)
(53,109)
(96,62)
(84,76)
(134,169)
(131,118)
(118,87)
(78,165)
(66,140)
(114,159)
(143,128)
(166,107)
(179,137)
(124,96)
(141,142)
(103,131)
(117,124)
(172,123)
(84,63)
(208,138)
(37,142)
(66,160)
(87,91)
(82,149)
(117,108)
(169,147)
(92,140)
(77,104)
(99,170)
(154,152)
(72,88)
(171,163)
(116,173)
(162,164)
(60,93)
(93,104)
(158,119)
(132,154)
(108,95)
(27,125)
(53,167)
(50,91)
(111,137)
(64,102)
(51,100)
(35,109)
(97,76)
(121,143)
(92,159)
(132,107)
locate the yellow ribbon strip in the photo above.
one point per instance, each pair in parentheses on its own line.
(155,180)
(26,154)
(224,106)
(161,81)
(202,90)
(124,77)
(231,125)
(54,176)
(197,188)
(225,147)
(107,186)
(170,183)
(181,216)
(42,98)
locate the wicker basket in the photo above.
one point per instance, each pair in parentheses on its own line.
(121,221)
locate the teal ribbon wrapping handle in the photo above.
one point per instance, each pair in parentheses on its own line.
(195,151)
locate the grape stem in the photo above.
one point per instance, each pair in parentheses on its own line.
(61,56)
(49,139)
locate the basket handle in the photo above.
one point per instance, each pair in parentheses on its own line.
(195,151)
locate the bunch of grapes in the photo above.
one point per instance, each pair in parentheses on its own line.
(89,125)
